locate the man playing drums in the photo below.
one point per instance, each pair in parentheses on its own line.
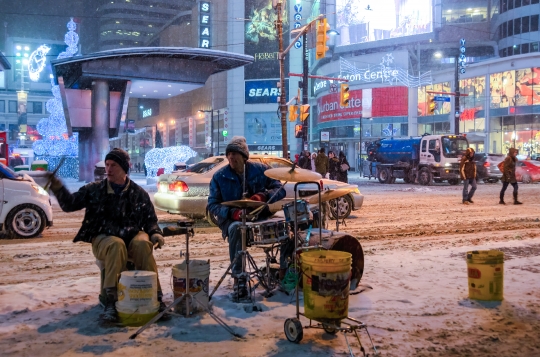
(227,185)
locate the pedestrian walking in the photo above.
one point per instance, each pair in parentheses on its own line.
(321,163)
(343,168)
(333,165)
(509,175)
(467,170)
(305,161)
(313,157)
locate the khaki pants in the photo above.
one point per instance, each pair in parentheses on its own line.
(112,251)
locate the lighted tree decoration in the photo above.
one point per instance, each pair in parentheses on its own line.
(159,141)
(56,142)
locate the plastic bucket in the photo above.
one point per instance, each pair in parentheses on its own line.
(199,277)
(136,316)
(485,273)
(137,289)
(326,282)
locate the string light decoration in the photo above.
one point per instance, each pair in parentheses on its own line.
(56,142)
(165,158)
(36,62)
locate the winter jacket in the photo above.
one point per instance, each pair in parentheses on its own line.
(304,162)
(122,215)
(321,163)
(467,167)
(509,171)
(226,185)
(342,175)
(333,167)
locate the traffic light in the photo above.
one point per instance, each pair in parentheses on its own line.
(321,48)
(432,105)
(344,95)
(298,131)
(304,112)
(293,112)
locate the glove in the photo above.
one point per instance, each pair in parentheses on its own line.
(237,215)
(261,197)
(157,238)
(53,182)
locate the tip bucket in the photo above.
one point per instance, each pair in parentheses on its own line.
(485,274)
(326,279)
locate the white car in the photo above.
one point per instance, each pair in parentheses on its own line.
(25,207)
(186,192)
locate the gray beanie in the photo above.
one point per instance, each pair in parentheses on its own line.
(238,144)
(121,157)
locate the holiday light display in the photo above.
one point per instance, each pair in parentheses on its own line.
(53,129)
(166,158)
(36,62)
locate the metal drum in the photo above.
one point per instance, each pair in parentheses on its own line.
(301,211)
(267,232)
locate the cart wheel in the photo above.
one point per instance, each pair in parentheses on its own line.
(293,330)
(331,327)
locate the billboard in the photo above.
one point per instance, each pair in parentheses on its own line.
(263,128)
(366,20)
(258,92)
(261,39)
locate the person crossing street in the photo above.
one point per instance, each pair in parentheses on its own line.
(467,169)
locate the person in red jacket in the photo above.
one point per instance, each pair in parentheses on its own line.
(467,169)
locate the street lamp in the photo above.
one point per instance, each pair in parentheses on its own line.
(211,111)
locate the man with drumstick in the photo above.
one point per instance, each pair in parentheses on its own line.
(227,185)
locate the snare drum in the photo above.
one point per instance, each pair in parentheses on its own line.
(301,211)
(267,232)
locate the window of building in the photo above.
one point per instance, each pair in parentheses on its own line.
(525,48)
(510,4)
(517,26)
(504,52)
(504,30)
(2,106)
(525,24)
(534,23)
(533,47)
(35,107)
(12,106)
(510,28)
(504,6)
(517,49)
(534,1)
(517,4)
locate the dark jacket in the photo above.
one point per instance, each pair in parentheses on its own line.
(122,215)
(304,162)
(509,171)
(342,175)
(321,163)
(333,167)
(227,186)
(467,166)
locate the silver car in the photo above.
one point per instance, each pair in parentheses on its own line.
(186,192)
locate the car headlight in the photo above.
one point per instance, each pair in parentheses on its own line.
(448,164)
(356,190)
(40,190)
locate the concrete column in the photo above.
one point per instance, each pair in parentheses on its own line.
(99,135)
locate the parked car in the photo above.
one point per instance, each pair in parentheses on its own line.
(486,167)
(186,192)
(527,172)
(25,208)
(99,171)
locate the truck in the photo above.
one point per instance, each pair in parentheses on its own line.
(423,160)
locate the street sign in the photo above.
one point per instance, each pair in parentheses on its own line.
(298,44)
(297,17)
(333,88)
(298,8)
(441,99)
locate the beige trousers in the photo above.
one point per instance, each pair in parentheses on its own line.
(114,254)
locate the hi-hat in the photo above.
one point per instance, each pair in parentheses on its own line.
(328,195)
(290,175)
(243,203)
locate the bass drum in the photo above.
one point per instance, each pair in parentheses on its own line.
(342,242)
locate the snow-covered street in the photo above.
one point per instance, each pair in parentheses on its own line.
(414,238)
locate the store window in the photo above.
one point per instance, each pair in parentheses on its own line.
(12,106)
(2,106)
(425,102)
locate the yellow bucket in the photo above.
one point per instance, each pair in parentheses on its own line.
(485,272)
(136,316)
(326,279)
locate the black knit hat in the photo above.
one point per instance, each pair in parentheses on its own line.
(121,157)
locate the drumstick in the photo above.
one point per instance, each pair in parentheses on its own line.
(260,208)
(49,181)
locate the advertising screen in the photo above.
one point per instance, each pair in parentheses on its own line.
(263,128)
(366,20)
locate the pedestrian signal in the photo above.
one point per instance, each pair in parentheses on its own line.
(344,95)
(321,48)
(304,112)
(293,112)
(432,105)
(298,131)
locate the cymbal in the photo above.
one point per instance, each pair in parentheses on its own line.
(243,203)
(296,175)
(328,195)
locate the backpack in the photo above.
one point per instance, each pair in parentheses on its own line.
(501,166)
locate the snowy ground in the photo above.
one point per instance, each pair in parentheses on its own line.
(414,239)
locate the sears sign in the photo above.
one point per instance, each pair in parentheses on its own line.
(261,92)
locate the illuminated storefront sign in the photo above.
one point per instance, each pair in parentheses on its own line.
(205,33)
(258,92)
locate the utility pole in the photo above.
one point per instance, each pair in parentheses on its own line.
(305,73)
(456,97)
(283,95)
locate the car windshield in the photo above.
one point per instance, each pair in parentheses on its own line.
(204,166)
(454,146)
(7,172)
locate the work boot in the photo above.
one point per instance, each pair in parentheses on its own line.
(470,201)
(501,199)
(516,202)
(465,202)
(110,314)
